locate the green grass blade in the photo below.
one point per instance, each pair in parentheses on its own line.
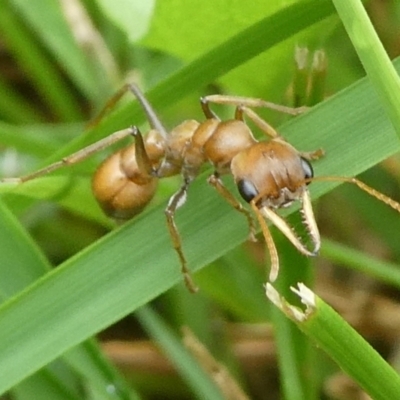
(17,251)
(294,350)
(342,343)
(224,281)
(14,107)
(201,384)
(372,55)
(88,360)
(47,16)
(22,263)
(44,385)
(44,75)
(38,140)
(382,270)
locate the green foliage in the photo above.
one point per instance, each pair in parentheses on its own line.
(49,315)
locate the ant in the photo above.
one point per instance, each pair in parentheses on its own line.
(269,174)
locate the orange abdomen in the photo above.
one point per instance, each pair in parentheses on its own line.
(116,191)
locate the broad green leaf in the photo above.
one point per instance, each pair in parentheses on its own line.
(218,21)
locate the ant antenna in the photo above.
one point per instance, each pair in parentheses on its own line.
(371,191)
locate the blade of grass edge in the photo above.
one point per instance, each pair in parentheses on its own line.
(341,342)
(373,56)
(21,264)
(195,377)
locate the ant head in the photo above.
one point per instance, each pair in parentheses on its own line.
(274,173)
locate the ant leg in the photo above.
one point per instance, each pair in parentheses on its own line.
(152,117)
(270,131)
(258,121)
(148,109)
(205,106)
(176,201)
(75,157)
(216,182)
(250,102)
(108,106)
(269,240)
(86,152)
(239,113)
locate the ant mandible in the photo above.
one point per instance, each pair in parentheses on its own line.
(269,174)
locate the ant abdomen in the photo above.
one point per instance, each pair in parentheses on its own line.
(119,186)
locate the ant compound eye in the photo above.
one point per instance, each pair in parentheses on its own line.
(247,190)
(307,169)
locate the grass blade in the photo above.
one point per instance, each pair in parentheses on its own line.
(372,55)
(196,378)
(342,343)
